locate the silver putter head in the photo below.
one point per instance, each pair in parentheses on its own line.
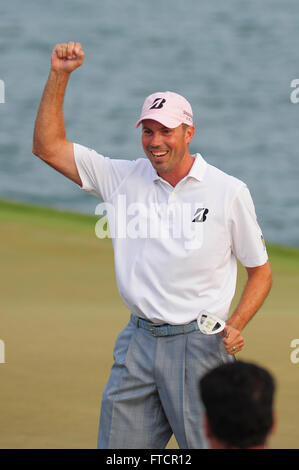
(209,324)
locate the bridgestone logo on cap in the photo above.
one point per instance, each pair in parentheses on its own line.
(158,103)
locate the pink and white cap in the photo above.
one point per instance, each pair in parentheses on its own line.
(168,108)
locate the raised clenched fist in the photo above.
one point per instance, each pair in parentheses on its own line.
(67,57)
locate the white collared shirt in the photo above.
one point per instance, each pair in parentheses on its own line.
(175,248)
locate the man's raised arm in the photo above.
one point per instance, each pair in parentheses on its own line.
(49,139)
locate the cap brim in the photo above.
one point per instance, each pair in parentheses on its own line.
(166,121)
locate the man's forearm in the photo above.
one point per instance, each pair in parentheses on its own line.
(49,125)
(255,292)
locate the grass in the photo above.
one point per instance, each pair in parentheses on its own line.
(61,312)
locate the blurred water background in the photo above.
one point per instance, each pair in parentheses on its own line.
(233,60)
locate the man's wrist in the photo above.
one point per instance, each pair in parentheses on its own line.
(57,82)
(60,73)
(235,321)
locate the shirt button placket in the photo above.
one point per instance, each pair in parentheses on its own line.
(170,211)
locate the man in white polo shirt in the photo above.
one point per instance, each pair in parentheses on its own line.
(178,226)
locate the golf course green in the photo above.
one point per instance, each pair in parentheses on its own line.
(60,313)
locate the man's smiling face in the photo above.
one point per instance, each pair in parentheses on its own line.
(165,147)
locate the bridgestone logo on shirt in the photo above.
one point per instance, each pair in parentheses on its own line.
(163,221)
(201,215)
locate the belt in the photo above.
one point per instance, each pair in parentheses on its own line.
(166,329)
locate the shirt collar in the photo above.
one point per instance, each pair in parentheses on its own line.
(197,170)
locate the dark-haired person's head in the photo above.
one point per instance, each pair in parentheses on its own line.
(238,400)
